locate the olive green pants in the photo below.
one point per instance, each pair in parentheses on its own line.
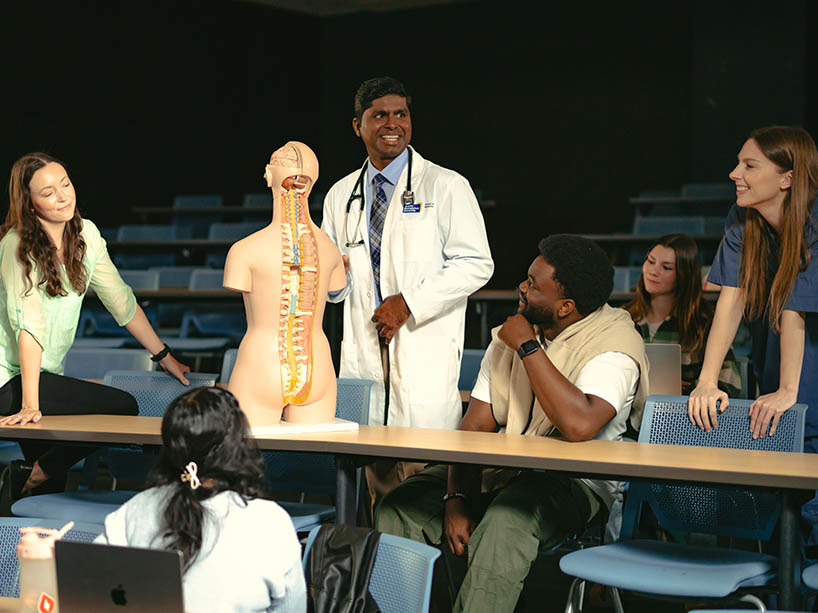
(535,508)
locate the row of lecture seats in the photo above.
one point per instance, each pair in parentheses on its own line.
(716,198)
(693,225)
(401,578)
(626,277)
(226,323)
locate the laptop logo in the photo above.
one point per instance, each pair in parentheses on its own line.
(118,596)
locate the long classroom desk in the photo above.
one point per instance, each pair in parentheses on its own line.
(787,472)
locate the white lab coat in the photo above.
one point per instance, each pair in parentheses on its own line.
(436,257)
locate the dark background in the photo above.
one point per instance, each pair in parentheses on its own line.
(558,114)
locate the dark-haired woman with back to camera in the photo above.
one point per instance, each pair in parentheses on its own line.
(49,257)
(669,308)
(240,552)
(767,265)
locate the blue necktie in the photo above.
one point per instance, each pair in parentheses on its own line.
(377,216)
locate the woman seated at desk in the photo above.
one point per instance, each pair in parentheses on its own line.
(668,308)
(240,552)
(49,255)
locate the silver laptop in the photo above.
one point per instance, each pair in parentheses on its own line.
(102,578)
(665,368)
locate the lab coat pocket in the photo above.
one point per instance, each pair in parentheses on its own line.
(431,363)
(417,237)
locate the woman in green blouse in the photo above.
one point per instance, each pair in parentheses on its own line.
(49,256)
(668,308)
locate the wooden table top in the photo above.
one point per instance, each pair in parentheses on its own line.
(626,460)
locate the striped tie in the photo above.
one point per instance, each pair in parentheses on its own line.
(376,219)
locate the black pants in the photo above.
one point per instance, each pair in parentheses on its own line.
(64,396)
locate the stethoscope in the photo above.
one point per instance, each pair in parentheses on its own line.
(408,199)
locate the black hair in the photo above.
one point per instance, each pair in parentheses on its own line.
(372,89)
(581,268)
(204,425)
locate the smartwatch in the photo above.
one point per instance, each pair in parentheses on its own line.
(527,348)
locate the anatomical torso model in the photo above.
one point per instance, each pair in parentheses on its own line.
(284,272)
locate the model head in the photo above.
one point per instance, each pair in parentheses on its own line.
(571,278)
(204,440)
(41,197)
(776,181)
(383,119)
(672,268)
(293,166)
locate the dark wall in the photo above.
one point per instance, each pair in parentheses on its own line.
(144,101)
(557,116)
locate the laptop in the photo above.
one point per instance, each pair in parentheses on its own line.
(665,368)
(105,578)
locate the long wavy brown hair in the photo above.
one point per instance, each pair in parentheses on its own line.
(36,246)
(693,314)
(767,291)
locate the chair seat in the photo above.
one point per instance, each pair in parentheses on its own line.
(307,516)
(89,506)
(676,570)
(810,577)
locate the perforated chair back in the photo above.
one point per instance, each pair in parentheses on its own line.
(401,577)
(315,472)
(154,391)
(233,231)
(259,200)
(84,363)
(198,201)
(749,513)
(174,276)
(140,279)
(228,362)
(145,232)
(206,278)
(10,536)
(470,368)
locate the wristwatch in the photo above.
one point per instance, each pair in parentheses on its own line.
(527,348)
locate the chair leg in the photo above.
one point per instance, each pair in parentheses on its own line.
(617,601)
(755,600)
(575,596)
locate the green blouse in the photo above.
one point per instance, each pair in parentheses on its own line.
(52,321)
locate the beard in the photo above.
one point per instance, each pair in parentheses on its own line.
(537,316)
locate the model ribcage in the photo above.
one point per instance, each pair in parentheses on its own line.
(299,285)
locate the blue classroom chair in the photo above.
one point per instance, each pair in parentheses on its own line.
(195,226)
(153,392)
(296,471)
(689,571)
(401,579)
(470,368)
(145,232)
(692,225)
(258,200)
(10,536)
(91,363)
(229,322)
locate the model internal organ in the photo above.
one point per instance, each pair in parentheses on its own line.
(299,284)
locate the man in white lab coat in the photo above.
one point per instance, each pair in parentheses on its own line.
(416,248)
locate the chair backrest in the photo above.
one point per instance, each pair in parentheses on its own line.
(228,361)
(258,200)
(741,512)
(10,536)
(470,368)
(718,190)
(665,361)
(401,577)
(84,363)
(140,279)
(102,342)
(154,391)
(315,472)
(693,225)
(206,278)
(174,276)
(135,232)
(233,231)
(198,201)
